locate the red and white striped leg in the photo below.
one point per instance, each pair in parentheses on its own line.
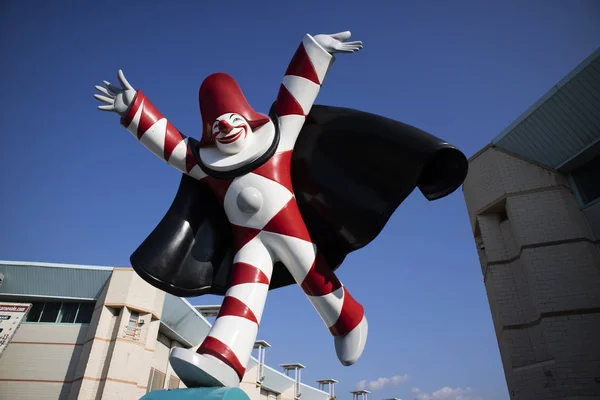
(342,314)
(222,357)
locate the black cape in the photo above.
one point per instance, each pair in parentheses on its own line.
(350,171)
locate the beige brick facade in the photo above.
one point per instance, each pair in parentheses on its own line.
(540,262)
(122,353)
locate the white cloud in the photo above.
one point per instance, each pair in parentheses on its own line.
(380,383)
(447,393)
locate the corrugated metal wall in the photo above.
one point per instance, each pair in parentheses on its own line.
(53,281)
(563,123)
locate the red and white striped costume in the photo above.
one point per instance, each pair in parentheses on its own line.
(276,232)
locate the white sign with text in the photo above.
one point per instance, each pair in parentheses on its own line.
(11,316)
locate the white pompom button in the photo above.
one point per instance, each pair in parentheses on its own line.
(250,200)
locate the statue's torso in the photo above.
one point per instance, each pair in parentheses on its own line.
(263,200)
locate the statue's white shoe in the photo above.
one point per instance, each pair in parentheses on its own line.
(199,370)
(350,346)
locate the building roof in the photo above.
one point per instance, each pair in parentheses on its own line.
(46,280)
(179,317)
(562,124)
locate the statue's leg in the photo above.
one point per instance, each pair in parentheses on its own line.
(222,357)
(342,314)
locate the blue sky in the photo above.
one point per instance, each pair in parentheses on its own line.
(77,188)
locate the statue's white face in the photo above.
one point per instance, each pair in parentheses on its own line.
(231,133)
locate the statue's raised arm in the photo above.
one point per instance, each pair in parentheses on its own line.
(148,125)
(303,79)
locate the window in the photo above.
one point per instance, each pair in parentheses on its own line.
(60,312)
(50,313)
(133,319)
(68,312)
(156,380)
(34,312)
(586,180)
(131,329)
(84,315)
(173,382)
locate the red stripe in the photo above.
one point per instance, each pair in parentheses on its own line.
(242,235)
(246,273)
(287,104)
(321,279)
(236,308)
(172,138)
(351,315)
(150,115)
(302,66)
(278,169)
(289,222)
(221,351)
(139,97)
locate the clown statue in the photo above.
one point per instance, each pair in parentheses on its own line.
(269,200)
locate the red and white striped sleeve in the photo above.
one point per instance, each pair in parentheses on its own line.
(159,136)
(299,89)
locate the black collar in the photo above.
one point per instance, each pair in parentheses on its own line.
(246,168)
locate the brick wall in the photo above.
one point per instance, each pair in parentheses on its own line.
(541,268)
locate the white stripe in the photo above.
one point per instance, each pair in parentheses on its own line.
(154,138)
(329,306)
(296,254)
(135,122)
(256,254)
(197,173)
(304,91)
(252,295)
(238,333)
(319,57)
(178,155)
(289,126)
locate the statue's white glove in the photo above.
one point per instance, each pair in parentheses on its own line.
(116,99)
(336,43)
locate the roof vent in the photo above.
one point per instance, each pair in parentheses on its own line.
(328,385)
(360,394)
(297,368)
(262,346)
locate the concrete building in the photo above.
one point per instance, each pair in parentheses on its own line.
(104,333)
(533,199)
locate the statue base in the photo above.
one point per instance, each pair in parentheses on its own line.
(209,393)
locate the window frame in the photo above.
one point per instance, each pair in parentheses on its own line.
(171,381)
(60,312)
(151,380)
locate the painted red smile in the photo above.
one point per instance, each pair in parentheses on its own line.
(232,136)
